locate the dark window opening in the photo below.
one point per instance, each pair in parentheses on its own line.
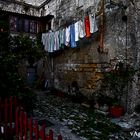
(20,24)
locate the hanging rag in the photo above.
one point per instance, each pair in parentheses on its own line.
(67,36)
(87,26)
(55,41)
(43,38)
(51,42)
(76,31)
(72,36)
(93,24)
(81,29)
(57,36)
(46,42)
(60,38)
(64,36)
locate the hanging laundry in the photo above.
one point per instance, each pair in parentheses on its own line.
(81,29)
(72,36)
(64,36)
(46,45)
(51,42)
(93,24)
(55,41)
(76,31)
(43,39)
(67,36)
(87,26)
(60,38)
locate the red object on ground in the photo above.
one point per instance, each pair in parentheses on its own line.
(116,111)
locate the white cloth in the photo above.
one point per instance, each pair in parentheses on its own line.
(93,25)
(67,36)
(55,41)
(81,29)
(76,31)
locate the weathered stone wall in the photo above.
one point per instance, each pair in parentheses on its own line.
(84,64)
(66,12)
(133,50)
(20,8)
(33,2)
(122,40)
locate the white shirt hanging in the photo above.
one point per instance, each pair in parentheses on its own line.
(67,36)
(81,29)
(93,25)
(76,31)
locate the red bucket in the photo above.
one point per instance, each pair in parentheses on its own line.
(116,111)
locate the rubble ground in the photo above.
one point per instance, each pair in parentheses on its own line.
(74,121)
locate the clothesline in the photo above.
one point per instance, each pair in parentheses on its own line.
(69,36)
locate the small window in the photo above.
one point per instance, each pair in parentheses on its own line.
(20,25)
(33,26)
(43,11)
(49,26)
(13,23)
(26,25)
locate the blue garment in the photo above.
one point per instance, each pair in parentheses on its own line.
(72,36)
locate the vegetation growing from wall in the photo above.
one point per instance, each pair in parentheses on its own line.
(115,84)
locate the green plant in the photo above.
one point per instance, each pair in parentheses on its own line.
(25,48)
(118,79)
(16,50)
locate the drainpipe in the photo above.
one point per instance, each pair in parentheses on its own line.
(101,40)
(124,18)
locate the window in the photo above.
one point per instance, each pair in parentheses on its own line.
(20,24)
(13,23)
(26,25)
(33,26)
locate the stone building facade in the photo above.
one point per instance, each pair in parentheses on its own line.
(85,64)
